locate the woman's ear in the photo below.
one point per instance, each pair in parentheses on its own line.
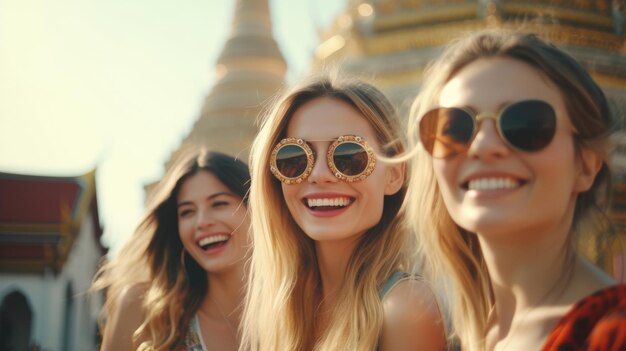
(395,178)
(589,164)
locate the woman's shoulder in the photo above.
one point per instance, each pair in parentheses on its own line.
(132,295)
(597,322)
(410,295)
(412,317)
(125,319)
(129,301)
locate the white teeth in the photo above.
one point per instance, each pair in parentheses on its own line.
(338,201)
(492,184)
(213,239)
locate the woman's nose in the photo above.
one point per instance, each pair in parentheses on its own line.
(205,218)
(320,172)
(487,143)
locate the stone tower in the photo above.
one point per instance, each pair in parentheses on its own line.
(250,70)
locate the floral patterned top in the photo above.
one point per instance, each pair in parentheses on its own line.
(596,323)
(193,339)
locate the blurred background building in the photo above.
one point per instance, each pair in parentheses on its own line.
(393,41)
(49,251)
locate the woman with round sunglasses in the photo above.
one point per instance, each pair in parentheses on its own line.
(178,283)
(514,139)
(331,268)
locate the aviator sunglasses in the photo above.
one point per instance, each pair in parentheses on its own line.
(349,158)
(526,126)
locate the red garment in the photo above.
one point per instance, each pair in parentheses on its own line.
(596,323)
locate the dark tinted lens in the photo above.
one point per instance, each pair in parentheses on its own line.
(350,158)
(291,161)
(446,131)
(528,125)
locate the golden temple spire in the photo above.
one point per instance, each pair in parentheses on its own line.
(250,70)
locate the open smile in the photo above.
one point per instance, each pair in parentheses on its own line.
(327,203)
(493,183)
(327,206)
(213,242)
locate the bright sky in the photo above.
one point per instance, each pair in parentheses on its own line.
(116,84)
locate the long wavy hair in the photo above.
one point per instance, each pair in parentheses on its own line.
(284,289)
(454,253)
(176,283)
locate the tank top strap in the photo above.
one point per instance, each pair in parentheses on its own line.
(193,339)
(393,279)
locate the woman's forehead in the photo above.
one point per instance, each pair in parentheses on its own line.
(489,83)
(327,118)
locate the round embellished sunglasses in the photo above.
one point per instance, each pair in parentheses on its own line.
(349,158)
(527,126)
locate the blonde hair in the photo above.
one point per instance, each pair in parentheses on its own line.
(447,247)
(284,285)
(154,256)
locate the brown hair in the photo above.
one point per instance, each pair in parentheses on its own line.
(176,284)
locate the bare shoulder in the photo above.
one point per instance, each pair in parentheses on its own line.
(126,318)
(412,318)
(132,295)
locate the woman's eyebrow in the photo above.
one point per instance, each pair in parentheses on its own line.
(210,197)
(225,193)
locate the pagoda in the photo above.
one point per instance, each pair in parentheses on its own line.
(392,41)
(249,72)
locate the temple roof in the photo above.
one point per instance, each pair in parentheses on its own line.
(40,218)
(391,42)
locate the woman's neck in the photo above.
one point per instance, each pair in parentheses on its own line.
(225,294)
(332,260)
(523,271)
(220,312)
(526,271)
(525,263)
(536,278)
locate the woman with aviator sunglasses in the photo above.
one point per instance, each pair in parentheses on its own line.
(514,139)
(331,268)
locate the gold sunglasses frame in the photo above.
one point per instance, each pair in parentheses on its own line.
(477,118)
(310,155)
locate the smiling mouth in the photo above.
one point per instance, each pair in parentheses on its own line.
(493,184)
(328,204)
(213,241)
